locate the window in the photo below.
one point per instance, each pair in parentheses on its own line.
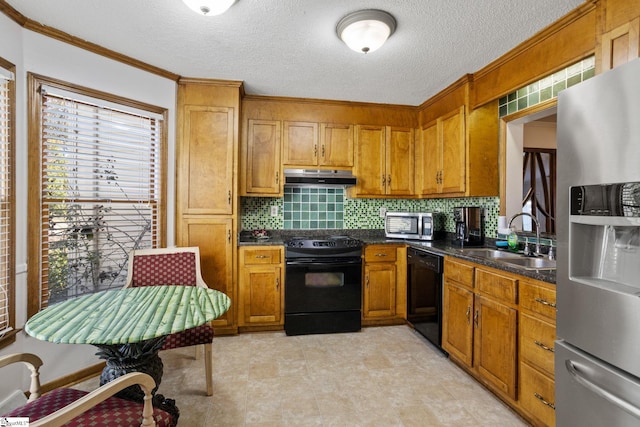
(7,207)
(99,185)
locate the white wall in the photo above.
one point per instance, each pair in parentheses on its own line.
(32,52)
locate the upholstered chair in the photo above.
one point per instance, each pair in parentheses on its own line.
(174,266)
(99,408)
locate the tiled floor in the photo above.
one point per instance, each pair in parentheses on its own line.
(384,376)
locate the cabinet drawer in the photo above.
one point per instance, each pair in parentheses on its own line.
(458,272)
(496,285)
(380,253)
(538,299)
(261,256)
(537,394)
(536,342)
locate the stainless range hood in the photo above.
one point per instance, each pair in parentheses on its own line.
(318,178)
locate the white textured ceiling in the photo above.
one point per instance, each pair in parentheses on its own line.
(290,48)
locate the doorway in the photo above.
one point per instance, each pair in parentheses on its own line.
(527,178)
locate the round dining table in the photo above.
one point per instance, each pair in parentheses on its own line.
(129,326)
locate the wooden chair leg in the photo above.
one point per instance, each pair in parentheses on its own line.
(208,367)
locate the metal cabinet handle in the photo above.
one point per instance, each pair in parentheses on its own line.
(468,314)
(277,177)
(384,180)
(389,180)
(541,399)
(475,319)
(323,151)
(277,283)
(229,236)
(367,281)
(262,256)
(315,150)
(595,388)
(229,197)
(381,254)
(541,345)
(545,302)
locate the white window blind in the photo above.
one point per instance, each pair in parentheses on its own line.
(6,202)
(100,192)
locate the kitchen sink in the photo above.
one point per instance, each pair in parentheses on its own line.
(489,253)
(532,263)
(511,258)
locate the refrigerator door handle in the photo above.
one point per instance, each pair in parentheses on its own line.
(598,390)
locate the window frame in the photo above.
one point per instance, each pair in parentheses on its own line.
(9,337)
(34,83)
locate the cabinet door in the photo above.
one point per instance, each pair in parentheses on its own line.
(214,237)
(336,143)
(620,45)
(427,160)
(452,177)
(262,165)
(206,161)
(300,145)
(457,327)
(260,295)
(495,344)
(399,161)
(370,160)
(380,290)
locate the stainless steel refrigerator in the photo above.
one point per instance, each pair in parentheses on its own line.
(597,352)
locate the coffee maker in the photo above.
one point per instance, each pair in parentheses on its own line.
(469,226)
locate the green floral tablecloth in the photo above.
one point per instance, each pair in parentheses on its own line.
(127,315)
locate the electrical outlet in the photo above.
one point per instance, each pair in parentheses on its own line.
(274,210)
(383,211)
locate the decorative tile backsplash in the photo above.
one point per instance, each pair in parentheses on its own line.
(328,208)
(547,88)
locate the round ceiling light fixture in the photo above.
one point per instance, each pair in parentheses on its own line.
(366,30)
(209,7)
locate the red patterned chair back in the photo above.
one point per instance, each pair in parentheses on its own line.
(165,266)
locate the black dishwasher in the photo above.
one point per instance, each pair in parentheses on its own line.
(424,294)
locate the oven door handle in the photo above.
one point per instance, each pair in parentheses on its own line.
(326,263)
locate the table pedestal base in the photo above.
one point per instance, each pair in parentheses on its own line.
(137,357)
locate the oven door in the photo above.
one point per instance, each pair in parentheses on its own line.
(323,285)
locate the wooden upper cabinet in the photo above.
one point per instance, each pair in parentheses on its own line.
(399,161)
(300,145)
(452,178)
(427,159)
(620,45)
(262,164)
(336,145)
(370,160)
(441,156)
(384,161)
(207,160)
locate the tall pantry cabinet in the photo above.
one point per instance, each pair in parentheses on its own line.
(206,181)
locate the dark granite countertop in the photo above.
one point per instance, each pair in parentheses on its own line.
(443,247)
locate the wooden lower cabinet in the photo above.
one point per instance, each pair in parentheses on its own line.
(384,284)
(537,394)
(260,288)
(500,327)
(537,333)
(495,339)
(214,237)
(457,326)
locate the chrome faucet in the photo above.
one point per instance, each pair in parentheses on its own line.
(535,221)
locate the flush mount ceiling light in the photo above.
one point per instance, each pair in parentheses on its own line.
(209,7)
(366,30)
